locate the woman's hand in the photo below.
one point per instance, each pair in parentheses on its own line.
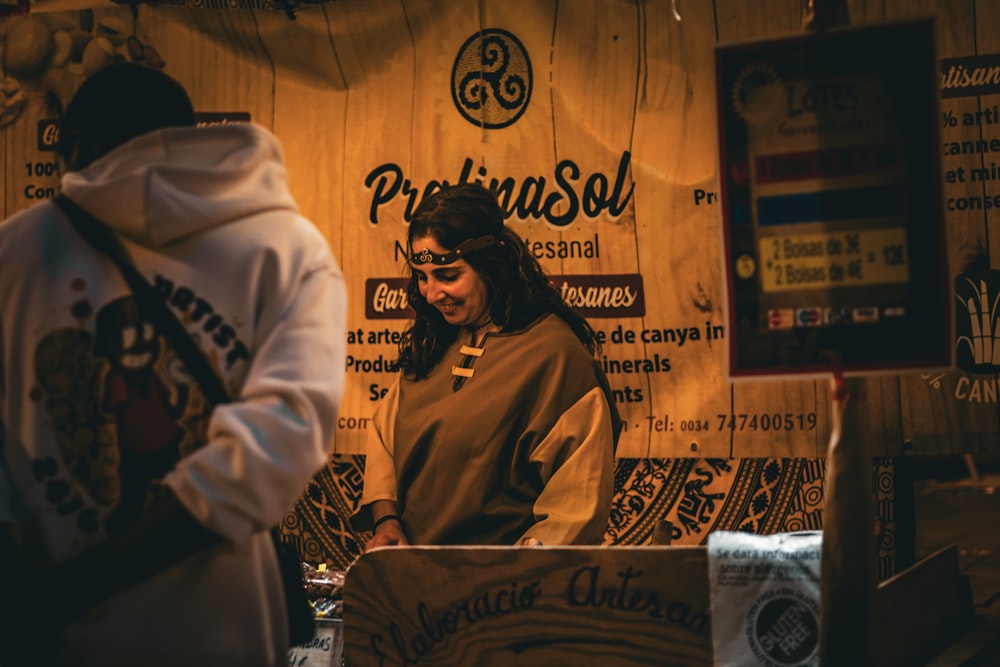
(387,526)
(388,534)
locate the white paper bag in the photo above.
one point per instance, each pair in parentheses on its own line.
(764,598)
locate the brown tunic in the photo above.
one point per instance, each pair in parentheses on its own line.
(522,448)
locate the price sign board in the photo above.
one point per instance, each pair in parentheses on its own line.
(833,224)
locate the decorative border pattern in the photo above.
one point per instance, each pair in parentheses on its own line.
(695,496)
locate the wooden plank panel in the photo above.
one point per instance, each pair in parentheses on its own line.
(366,89)
(935,413)
(739,20)
(805,401)
(215,55)
(577,605)
(677,236)
(576,118)
(519,150)
(310,102)
(199,59)
(597,52)
(949,412)
(920,610)
(494,606)
(594,61)
(38,80)
(374,45)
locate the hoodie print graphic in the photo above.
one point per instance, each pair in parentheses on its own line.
(124,411)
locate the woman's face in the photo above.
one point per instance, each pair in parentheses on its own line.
(455,289)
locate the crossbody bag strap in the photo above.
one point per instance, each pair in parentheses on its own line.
(300,616)
(151,305)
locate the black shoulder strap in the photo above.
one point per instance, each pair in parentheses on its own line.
(151,305)
(302,628)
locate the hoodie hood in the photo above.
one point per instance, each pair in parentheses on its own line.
(168,184)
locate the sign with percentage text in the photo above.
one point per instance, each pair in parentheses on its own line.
(833,224)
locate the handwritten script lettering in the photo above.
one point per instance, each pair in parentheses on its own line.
(622,592)
(435,628)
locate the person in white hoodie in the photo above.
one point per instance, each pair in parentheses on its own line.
(135,515)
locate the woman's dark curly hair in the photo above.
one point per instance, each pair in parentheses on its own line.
(518,290)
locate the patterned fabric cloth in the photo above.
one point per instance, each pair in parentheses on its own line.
(695,497)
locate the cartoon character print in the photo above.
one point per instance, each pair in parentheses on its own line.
(123,411)
(140,401)
(65,373)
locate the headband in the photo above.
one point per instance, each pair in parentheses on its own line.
(425,256)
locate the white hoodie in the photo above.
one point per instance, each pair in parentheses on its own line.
(208,219)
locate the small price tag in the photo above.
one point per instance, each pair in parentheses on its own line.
(324,650)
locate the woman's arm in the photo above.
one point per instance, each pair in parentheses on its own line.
(379,511)
(576,461)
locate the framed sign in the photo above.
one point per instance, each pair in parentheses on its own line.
(830,182)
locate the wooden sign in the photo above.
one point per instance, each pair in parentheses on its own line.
(833,219)
(540,606)
(621,606)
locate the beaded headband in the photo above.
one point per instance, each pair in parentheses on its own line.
(425,256)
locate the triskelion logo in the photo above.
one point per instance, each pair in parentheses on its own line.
(783,628)
(491,80)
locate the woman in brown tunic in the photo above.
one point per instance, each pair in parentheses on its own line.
(500,428)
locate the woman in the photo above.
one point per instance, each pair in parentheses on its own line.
(500,428)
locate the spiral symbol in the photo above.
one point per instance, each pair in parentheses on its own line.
(794,524)
(887,540)
(885,482)
(812,496)
(491,79)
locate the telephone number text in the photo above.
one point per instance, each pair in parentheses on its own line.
(768,421)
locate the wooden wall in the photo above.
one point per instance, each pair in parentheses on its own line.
(621,90)
(353,85)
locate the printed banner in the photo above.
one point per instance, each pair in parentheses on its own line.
(597,129)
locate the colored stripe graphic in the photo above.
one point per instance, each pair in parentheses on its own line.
(826,163)
(829,205)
